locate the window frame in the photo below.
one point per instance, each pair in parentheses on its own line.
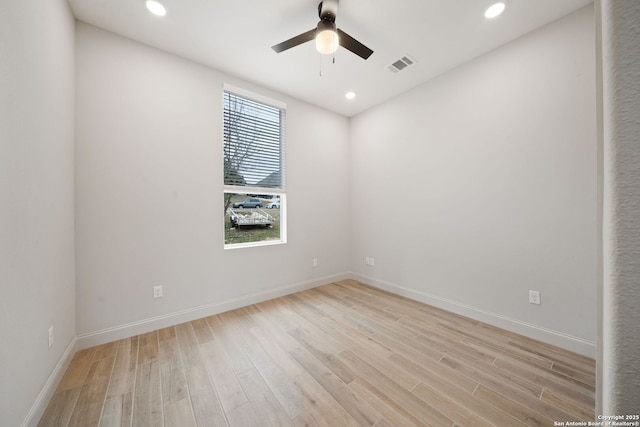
(246,189)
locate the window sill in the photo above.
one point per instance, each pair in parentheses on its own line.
(253,244)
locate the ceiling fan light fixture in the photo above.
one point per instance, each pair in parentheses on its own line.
(494,10)
(326,37)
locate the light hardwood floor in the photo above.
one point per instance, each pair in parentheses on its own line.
(343,354)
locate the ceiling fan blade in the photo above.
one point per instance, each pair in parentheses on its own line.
(295,41)
(349,43)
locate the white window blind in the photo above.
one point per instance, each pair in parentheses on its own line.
(253,143)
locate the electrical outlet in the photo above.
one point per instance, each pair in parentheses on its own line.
(315,262)
(51,337)
(372,262)
(534,297)
(157,291)
(367,260)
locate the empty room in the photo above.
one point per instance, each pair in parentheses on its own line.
(266,213)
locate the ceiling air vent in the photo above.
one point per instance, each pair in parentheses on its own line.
(400,64)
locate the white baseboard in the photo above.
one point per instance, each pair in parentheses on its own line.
(557,338)
(40,405)
(147,325)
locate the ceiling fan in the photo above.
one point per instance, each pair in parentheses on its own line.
(327,36)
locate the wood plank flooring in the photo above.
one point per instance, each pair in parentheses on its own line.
(343,354)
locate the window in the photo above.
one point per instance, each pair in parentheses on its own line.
(254,190)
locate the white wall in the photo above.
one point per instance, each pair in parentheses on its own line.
(36,202)
(481,185)
(619,373)
(149,199)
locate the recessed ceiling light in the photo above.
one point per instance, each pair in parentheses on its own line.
(350,95)
(156,8)
(494,10)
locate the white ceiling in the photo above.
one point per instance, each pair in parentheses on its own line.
(235,36)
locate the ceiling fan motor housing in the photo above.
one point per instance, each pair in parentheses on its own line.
(325,25)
